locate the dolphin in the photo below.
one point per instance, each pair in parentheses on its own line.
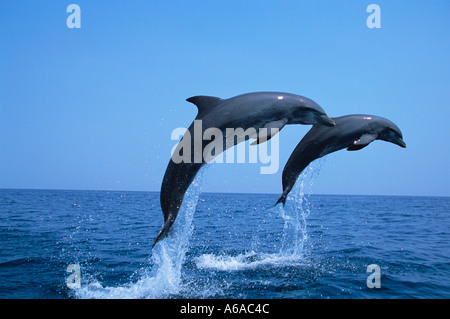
(260,110)
(353,132)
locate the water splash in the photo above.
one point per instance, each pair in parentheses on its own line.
(294,235)
(294,216)
(164,279)
(295,212)
(168,256)
(245,261)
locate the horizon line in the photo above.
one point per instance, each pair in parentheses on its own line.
(240,193)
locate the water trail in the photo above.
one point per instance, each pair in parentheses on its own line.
(294,216)
(295,212)
(165,277)
(169,255)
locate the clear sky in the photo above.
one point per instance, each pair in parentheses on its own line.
(94,108)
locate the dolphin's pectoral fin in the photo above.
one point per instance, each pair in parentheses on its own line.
(261,139)
(362,142)
(269,130)
(356,147)
(204,103)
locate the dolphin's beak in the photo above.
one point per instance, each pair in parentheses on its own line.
(326,120)
(400,142)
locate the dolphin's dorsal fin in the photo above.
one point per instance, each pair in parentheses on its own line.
(204,103)
(362,142)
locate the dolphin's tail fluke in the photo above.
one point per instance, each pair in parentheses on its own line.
(164,231)
(282,199)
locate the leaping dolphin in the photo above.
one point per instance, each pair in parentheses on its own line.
(353,132)
(270,110)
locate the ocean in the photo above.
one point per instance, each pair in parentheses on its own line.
(98,244)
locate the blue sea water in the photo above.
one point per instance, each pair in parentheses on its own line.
(223,245)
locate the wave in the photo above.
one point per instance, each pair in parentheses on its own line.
(23,261)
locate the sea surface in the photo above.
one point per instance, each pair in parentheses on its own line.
(222,246)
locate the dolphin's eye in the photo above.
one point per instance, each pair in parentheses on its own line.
(392,133)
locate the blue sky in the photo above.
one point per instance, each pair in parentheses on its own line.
(94,108)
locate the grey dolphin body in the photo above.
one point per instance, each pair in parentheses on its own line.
(353,132)
(251,110)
